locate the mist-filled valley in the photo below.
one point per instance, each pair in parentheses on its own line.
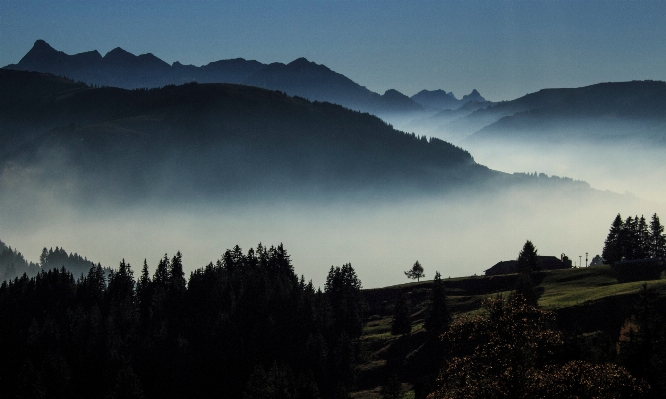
(258,228)
(111,174)
(456,235)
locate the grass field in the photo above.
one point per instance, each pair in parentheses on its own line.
(565,288)
(560,289)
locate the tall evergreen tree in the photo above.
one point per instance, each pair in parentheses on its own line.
(343,289)
(613,248)
(657,241)
(176,274)
(629,238)
(642,250)
(401,323)
(438,318)
(528,260)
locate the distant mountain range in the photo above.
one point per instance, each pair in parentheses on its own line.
(604,112)
(441,100)
(119,68)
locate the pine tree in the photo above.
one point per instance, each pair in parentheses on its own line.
(176,274)
(161,276)
(657,241)
(629,238)
(642,250)
(416,272)
(438,318)
(528,260)
(613,248)
(401,323)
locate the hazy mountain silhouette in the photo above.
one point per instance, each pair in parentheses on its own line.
(300,77)
(606,111)
(211,139)
(441,100)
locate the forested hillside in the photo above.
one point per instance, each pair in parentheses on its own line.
(211,139)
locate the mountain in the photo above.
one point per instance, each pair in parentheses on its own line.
(618,111)
(440,99)
(317,82)
(210,140)
(634,111)
(119,68)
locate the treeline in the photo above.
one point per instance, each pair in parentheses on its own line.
(634,238)
(243,327)
(12,263)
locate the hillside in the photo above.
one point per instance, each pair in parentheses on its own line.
(212,139)
(589,304)
(257,303)
(607,111)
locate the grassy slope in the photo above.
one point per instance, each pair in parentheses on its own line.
(576,292)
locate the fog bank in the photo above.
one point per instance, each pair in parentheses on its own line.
(456,236)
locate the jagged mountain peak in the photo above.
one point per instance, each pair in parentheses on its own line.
(40,49)
(301,61)
(118,53)
(41,44)
(473,96)
(393,93)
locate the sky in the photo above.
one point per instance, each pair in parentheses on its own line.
(504,49)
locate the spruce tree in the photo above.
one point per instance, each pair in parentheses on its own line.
(438,318)
(401,323)
(613,248)
(629,238)
(528,260)
(642,250)
(657,241)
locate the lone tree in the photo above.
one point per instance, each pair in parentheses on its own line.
(528,260)
(416,272)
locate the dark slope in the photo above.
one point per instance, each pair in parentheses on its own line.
(213,139)
(606,111)
(119,68)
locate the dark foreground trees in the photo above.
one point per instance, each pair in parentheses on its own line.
(634,238)
(245,326)
(511,352)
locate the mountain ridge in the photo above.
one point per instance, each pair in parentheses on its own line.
(301,77)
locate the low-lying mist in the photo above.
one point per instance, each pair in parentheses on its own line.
(381,237)
(622,168)
(623,156)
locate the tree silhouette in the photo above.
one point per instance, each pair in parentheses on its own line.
(511,353)
(528,260)
(656,240)
(438,317)
(416,272)
(401,323)
(613,247)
